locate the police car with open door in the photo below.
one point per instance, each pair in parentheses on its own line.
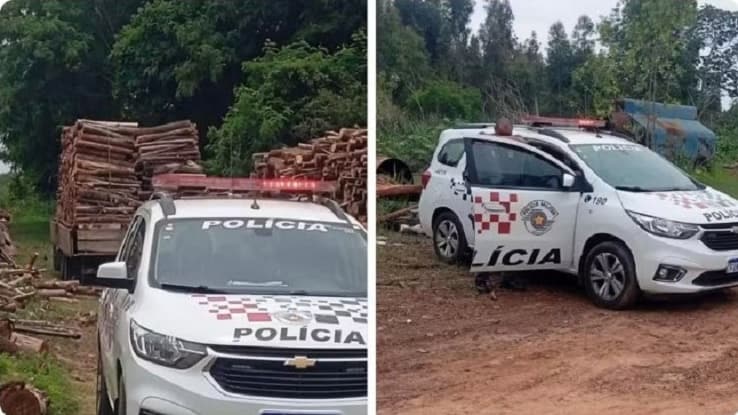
(236,306)
(618,215)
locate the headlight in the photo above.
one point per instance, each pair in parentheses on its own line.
(165,350)
(664,227)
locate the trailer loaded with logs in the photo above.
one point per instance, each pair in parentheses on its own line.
(105,170)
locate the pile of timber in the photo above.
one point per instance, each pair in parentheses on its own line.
(7,248)
(388,187)
(20,398)
(169,148)
(339,156)
(97,182)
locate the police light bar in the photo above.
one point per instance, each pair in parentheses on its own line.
(537,121)
(173,181)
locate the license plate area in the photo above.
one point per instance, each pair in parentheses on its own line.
(732,266)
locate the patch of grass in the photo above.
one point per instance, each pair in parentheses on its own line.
(720,178)
(411,141)
(45,374)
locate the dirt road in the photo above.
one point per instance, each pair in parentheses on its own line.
(443,348)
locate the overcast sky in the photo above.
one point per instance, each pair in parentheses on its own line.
(539,15)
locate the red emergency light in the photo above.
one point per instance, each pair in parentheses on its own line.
(180,182)
(538,121)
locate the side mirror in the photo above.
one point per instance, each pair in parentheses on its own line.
(567,181)
(114,275)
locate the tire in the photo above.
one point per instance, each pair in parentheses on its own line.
(449,241)
(103,401)
(609,276)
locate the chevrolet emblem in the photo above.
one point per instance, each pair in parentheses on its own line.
(300,362)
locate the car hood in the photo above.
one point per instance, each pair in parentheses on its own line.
(254,320)
(698,206)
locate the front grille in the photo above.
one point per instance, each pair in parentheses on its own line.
(720,240)
(273,352)
(715,278)
(271,378)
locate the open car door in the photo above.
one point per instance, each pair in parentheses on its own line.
(524,206)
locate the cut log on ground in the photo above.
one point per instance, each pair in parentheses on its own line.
(29,344)
(19,398)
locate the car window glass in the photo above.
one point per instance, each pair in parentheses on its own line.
(451,153)
(125,247)
(507,166)
(133,260)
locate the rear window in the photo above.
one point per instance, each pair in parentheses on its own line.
(260,256)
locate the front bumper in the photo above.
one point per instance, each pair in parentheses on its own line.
(160,390)
(650,251)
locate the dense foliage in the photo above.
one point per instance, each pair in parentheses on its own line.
(659,50)
(159,60)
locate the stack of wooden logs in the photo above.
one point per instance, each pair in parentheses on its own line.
(169,148)
(339,156)
(97,181)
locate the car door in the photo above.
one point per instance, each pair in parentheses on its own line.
(524,216)
(448,172)
(113,300)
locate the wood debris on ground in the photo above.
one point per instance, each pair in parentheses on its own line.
(339,156)
(20,398)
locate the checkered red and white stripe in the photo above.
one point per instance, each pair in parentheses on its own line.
(687,201)
(225,308)
(483,220)
(260,308)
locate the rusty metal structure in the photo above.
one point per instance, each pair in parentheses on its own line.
(672,130)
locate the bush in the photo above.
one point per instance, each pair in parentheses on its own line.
(448,99)
(292,93)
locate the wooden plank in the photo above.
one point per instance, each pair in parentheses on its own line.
(102,247)
(100,235)
(65,239)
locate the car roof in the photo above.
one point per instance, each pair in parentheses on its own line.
(573,135)
(239,208)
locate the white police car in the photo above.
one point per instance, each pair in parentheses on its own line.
(236,306)
(613,212)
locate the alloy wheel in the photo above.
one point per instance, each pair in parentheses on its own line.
(607,275)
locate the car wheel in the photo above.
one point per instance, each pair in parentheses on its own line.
(609,276)
(449,241)
(121,403)
(103,400)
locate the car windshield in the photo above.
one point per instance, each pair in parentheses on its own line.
(260,256)
(632,167)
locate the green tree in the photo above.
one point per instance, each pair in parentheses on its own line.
(649,42)
(498,50)
(402,60)
(560,65)
(291,93)
(53,69)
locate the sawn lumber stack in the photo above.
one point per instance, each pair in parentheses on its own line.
(338,156)
(169,148)
(97,181)
(105,168)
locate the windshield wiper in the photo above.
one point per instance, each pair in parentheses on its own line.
(201,289)
(632,189)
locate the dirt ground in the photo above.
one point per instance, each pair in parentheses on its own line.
(445,349)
